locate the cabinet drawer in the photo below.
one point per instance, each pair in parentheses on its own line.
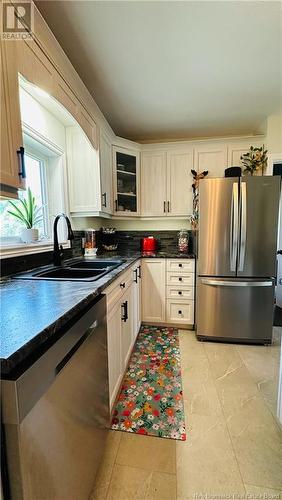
(181,266)
(180,312)
(116,290)
(180,293)
(180,279)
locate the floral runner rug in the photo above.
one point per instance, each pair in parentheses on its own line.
(150,401)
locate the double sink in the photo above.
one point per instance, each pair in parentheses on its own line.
(91,270)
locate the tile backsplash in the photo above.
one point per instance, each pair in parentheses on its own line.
(127,241)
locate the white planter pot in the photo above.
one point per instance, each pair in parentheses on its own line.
(29,235)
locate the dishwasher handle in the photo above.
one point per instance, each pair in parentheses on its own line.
(73,350)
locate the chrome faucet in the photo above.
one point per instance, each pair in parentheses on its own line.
(58,253)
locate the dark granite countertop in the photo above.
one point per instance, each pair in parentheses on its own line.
(34,313)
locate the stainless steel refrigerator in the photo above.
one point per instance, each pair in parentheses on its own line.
(236,266)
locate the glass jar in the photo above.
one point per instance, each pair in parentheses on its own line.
(183,240)
(90,243)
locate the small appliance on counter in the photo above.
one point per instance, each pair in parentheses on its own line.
(149,244)
(89,244)
(233,172)
(109,242)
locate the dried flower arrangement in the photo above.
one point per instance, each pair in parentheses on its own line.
(254,160)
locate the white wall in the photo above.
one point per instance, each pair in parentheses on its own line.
(274,134)
(34,115)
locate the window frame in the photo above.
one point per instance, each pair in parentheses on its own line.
(18,248)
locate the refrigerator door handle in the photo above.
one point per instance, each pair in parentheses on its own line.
(234,226)
(243,235)
(236,283)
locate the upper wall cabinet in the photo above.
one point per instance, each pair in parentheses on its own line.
(105,151)
(211,157)
(179,183)
(166,183)
(236,150)
(153,184)
(126,181)
(12,161)
(83,174)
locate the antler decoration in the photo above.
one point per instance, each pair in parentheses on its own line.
(197,177)
(195,186)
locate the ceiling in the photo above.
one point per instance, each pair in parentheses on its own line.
(173,69)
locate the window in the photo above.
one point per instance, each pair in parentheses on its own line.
(10,227)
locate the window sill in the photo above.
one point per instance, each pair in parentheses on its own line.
(18,249)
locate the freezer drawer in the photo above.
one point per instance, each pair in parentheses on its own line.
(235,309)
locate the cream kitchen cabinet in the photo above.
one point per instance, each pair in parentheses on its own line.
(114,350)
(126,182)
(180,281)
(120,328)
(136,298)
(238,148)
(105,150)
(168,291)
(83,174)
(166,183)
(211,157)
(127,338)
(153,184)
(153,290)
(12,161)
(179,183)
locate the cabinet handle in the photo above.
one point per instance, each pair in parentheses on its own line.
(122,285)
(164,206)
(168,206)
(104,199)
(116,205)
(179,279)
(139,275)
(20,153)
(179,293)
(124,306)
(136,275)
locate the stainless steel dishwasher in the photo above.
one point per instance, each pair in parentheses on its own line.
(56,415)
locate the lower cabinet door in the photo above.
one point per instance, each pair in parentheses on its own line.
(136,299)
(153,290)
(180,312)
(127,337)
(114,327)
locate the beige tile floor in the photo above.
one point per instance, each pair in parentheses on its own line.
(234,442)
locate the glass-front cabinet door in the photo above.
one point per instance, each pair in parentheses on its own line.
(126,181)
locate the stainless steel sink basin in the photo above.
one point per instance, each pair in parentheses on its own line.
(96,264)
(68,273)
(80,270)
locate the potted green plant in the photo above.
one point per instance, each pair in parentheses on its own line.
(28,213)
(254,160)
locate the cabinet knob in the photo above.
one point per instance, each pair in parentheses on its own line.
(122,285)
(179,279)
(179,312)
(179,265)
(179,293)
